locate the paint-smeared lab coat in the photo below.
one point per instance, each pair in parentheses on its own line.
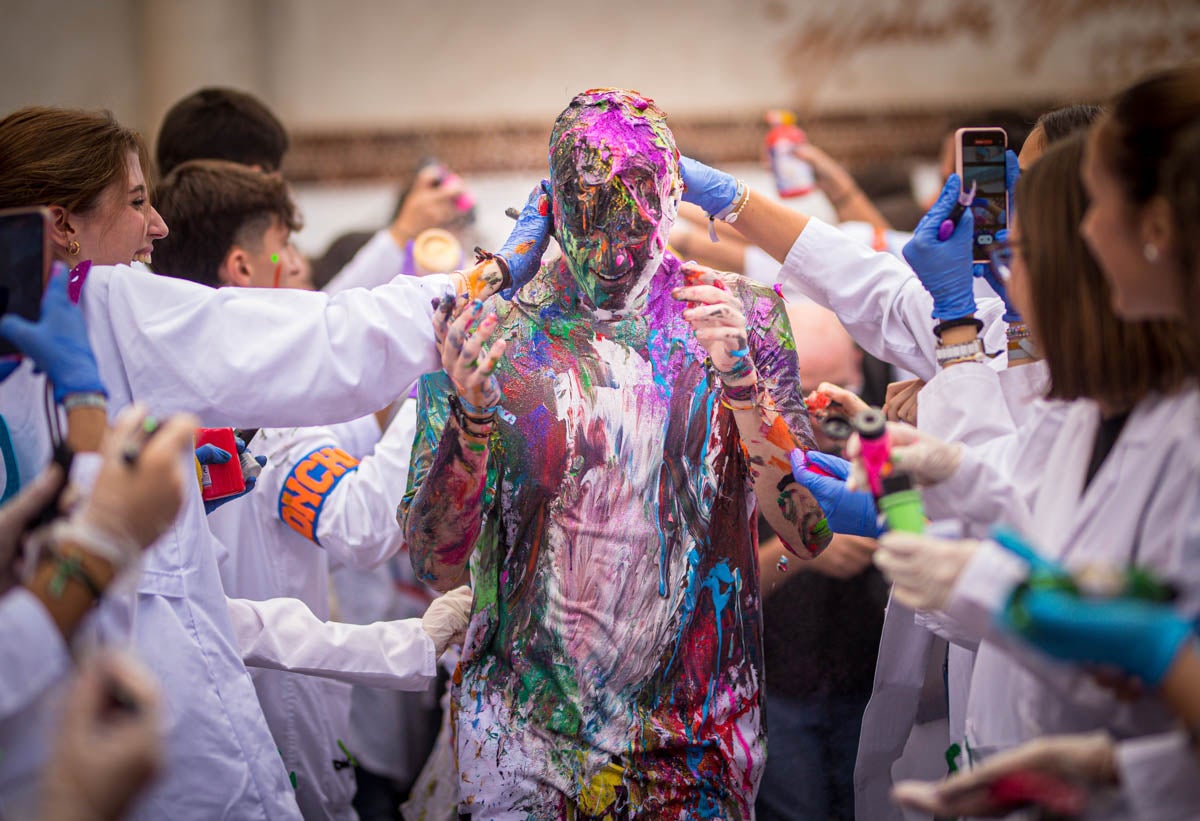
(316,505)
(878,298)
(1142,508)
(910,638)
(236,357)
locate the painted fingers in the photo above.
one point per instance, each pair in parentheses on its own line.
(467,359)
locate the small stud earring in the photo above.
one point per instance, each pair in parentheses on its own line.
(1150,252)
(73,247)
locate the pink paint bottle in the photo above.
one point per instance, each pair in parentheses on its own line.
(876,446)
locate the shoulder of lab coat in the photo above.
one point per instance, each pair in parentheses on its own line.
(250,357)
(283,634)
(1160,777)
(377,262)
(33,653)
(965,403)
(356,516)
(878,298)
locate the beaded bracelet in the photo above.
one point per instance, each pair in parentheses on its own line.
(479,423)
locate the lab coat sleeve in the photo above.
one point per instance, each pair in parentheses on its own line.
(877,297)
(376,263)
(1169,547)
(249,357)
(283,634)
(33,653)
(1160,777)
(965,403)
(351,515)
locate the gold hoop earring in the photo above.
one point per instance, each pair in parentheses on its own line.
(73,247)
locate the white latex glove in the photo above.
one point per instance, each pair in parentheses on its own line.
(104,755)
(1086,760)
(446,619)
(922,568)
(927,459)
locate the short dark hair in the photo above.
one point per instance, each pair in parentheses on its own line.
(212,205)
(1091,353)
(221,124)
(1062,122)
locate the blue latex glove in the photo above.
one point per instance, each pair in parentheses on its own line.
(7,365)
(213,455)
(984,270)
(945,268)
(57,343)
(847,511)
(1141,638)
(522,251)
(706,187)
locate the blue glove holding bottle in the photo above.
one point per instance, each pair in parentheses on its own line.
(847,511)
(1141,638)
(58,342)
(945,268)
(706,187)
(522,251)
(213,455)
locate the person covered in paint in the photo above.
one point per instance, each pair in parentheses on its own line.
(613,664)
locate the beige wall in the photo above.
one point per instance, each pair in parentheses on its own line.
(336,64)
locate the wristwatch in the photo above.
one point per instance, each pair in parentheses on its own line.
(963,352)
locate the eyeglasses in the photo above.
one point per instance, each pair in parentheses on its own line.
(1001,254)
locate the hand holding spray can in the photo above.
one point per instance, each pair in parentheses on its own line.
(898,501)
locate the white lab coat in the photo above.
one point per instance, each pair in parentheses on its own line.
(1142,508)
(878,298)
(235,357)
(390,731)
(910,638)
(355,524)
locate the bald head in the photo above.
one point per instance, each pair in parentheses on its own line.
(826,351)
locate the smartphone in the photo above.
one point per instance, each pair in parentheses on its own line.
(24,264)
(979,159)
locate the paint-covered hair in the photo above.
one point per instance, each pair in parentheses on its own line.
(603,132)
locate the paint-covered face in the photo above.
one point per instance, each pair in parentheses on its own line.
(615,184)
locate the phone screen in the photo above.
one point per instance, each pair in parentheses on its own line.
(22,266)
(982,152)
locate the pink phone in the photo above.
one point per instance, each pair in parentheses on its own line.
(979,159)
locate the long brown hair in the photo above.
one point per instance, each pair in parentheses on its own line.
(64,157)
(1091,353)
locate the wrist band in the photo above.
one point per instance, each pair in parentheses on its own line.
(480,424)
(66,569)
(86,399)
(964,322)
(731,212)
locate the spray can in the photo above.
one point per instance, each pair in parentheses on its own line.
(898,501)
(794,177)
